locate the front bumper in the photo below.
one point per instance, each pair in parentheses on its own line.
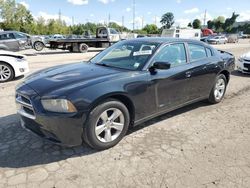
(63,129)
(21,68)
(243,66)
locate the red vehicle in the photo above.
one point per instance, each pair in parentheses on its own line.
(207,32)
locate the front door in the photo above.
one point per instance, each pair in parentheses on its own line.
(172,85)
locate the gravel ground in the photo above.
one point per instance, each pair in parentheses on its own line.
(200,145)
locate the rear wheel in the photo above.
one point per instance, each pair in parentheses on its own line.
(107,124)
(6,72)
(38,46)
(83,48)
(219,89)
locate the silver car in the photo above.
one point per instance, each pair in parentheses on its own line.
(218,40)
(14,41)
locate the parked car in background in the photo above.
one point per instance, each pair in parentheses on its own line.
(243,63)
(217,40)
(127,84)
(12,65)
(232,38)
(14,41)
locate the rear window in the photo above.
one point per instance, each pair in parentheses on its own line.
(197,52)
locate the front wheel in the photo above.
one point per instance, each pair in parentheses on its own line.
(219,89)
(107,124)
(6,72)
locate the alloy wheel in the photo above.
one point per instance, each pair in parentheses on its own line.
(5,73)
(219,89)
(109,125)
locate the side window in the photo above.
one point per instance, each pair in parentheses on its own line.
(197,52)
(175,54)
(7,36)
(209,52)
(20,36)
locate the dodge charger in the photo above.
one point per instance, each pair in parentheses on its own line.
(132,81)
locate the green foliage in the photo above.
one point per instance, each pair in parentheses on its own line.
(196,24)
(167,20)
(190,24)
(151,29)
(221,25)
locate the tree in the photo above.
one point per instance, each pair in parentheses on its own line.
(167,20)
(228,25)
(190,24)
(196,24)
(218,23)
(210,24)
(151,29)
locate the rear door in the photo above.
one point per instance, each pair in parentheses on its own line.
(172,85)
(8,39)
(203,66)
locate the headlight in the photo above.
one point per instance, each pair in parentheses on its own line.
(20,59)
(58,105)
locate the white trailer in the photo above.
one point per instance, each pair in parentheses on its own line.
(182,33)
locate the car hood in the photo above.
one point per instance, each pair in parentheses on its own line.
(66,77)
(246,56)
(11,54)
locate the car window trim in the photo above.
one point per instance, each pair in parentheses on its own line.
(150,61)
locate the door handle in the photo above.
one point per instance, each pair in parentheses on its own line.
(188,74)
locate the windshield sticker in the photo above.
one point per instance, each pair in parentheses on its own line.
(136,65)
(144,52)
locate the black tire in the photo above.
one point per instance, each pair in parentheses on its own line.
(10,69)
(83,48)
(38,46)
(89,132)
(212,98)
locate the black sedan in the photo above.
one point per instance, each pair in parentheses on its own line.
(96,102)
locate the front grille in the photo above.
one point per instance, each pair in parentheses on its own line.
(246,65)
(24,106)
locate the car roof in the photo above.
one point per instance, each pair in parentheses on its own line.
(6,32)
(162,40)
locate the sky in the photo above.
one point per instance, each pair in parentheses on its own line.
(146,11)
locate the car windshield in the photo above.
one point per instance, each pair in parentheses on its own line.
(130,55)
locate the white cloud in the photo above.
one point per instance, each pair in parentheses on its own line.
(92,15)
(27,6)
(192,11)
(106,1)
(78,2)
(244,16)
(229,8)
(182,22)
(128,9)
(149,13)
(178,1)
(48,16)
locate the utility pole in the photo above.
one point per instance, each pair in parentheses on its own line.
(205,17)
(60,15)
(122,21)
(109,20)
(133,15)
(142,22)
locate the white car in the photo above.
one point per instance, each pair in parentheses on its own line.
(12,65)
(243,63)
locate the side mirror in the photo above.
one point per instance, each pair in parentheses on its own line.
(159,65)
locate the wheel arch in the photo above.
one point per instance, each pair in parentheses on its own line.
(123,98)
(226,74)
